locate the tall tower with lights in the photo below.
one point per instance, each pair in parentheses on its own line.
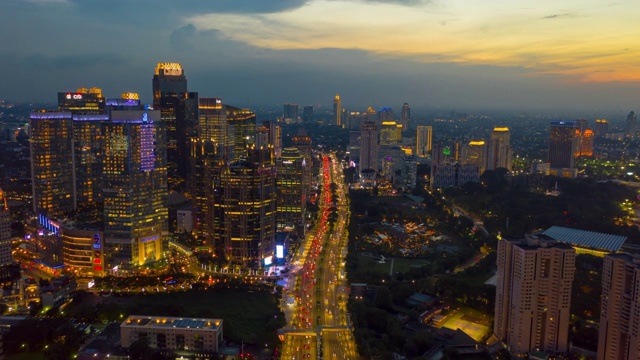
(337,111)
(178,109)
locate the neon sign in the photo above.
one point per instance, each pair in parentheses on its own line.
(74,96)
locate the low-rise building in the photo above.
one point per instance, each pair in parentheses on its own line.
(172,333)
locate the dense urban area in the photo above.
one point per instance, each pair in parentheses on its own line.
(190,228)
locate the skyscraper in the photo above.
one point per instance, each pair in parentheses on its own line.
(242,129)
(533,294)
(209,150)
(290,187)
(424,135)
(135,187)
(632,122)
(405,116)
(290,113)
(307,114)
(619,336)
(247,202)
(303,143)
(5,232)
(475,153)
(390,133)
(500,151)
(562,142)
(337,111)
(602,127)
(369,146)
(178,110)
(52,165)
(385,114)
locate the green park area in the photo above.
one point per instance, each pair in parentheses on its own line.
(250,317)
(400,265)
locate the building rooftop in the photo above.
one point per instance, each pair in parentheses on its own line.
(175,322)
(588,239)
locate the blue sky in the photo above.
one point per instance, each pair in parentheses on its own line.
(456,54)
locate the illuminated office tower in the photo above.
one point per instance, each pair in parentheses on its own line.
(242,129)
(390,133)
(211,148)
(385,114)
(424,136)
(602,127)
(5,231)
(405,116)
(307,114)
(619,336)
(83,101)
(178,110)
(475,153)
(247,204)
(587,143)
(500,151)
(290,113)
(52,167)
(369,146)
(354,148)
(632,122)
(337,111)
(291,190)
(135,187)
(303,143)
(562,143)
(533,295)
(273,137)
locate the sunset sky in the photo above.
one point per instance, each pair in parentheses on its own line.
(433,54)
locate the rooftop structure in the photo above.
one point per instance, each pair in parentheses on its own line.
(591,242)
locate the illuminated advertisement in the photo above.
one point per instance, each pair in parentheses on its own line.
(279,251)
(97,242)
(268,260)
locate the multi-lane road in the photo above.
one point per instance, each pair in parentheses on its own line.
(319,325)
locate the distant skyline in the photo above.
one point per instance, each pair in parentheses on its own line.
(534,55)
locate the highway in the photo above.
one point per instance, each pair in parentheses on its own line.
(318,327)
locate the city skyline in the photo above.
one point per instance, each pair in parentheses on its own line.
(433,54)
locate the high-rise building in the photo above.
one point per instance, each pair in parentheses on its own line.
(209,150)
(602,127)
(52,164)
(302,142)
(242,129)
(409,172)
(475,153)
(5,231)
(385,114)
(562,143)
(619,336)
(533,294)
(178,110)
(446,174)
(290,113)
(585,143)
(83,101)
(274,137)
(500,151)
(632,122)
(390,133)
(88,109)
(290,187)
(135,187)
(337,111)
(405,116)
(424,138)
(369,146)
(247,207)
(354,147)
(307,114)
